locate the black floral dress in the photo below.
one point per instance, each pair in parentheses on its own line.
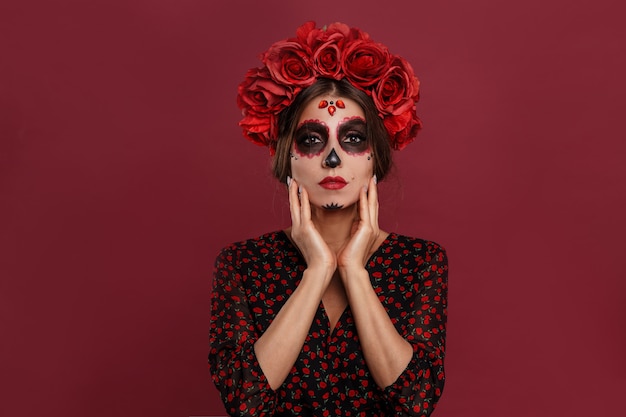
(254,278)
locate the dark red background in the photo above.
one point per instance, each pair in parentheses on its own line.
(123,171)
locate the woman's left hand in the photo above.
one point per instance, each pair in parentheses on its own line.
(365,232)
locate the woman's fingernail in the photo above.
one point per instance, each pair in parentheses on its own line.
(375,179)
(288,180)
(299,189)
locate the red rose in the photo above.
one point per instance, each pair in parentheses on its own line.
(260,93)
(260,129)
(327,57)
(313,37)
(306,32)
(257,127)
(365,62)
(338,27)
(397,90)
(260,98)
(353,34)
(402,128)
(288,62)
(309,35)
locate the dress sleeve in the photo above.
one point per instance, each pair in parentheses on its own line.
(418,388)
(232,361)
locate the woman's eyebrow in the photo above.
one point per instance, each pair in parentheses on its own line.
(313,126)
(355,122)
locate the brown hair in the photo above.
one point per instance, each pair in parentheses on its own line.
(288,122)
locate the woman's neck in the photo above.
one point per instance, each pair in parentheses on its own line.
(335,226)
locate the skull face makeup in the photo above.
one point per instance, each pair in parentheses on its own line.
(334,159)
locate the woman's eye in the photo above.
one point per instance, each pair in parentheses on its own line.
(311,140)
(354,138)
(354,142)
(310,143)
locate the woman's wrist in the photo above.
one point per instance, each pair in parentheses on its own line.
(351,274)
(318,275)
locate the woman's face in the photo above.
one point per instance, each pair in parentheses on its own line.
(331,157)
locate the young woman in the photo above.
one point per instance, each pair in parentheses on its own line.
(331,316)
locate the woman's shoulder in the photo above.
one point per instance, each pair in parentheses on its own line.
(426,256)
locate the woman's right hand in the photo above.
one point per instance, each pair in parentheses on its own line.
(316,253)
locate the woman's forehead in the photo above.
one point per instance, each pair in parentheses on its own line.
(329,108)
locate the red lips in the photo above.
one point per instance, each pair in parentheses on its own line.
(333,183)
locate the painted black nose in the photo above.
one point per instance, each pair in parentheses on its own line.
(332,160)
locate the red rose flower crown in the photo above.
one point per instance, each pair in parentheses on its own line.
(335,51)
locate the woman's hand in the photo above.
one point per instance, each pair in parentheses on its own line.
(365,232)
(386,352)
(316,253)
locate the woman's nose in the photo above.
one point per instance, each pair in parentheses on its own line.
(332,160)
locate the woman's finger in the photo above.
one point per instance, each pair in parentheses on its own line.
(305,207)
(364,210)
(294,202)
(372,197)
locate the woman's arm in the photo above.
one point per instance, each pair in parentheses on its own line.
(412,379)
(278,348)
(386,352)
(405,358)
(233,364)
(280,345)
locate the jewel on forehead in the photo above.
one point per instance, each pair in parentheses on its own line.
(331,109)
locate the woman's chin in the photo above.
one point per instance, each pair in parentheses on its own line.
(333,205)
